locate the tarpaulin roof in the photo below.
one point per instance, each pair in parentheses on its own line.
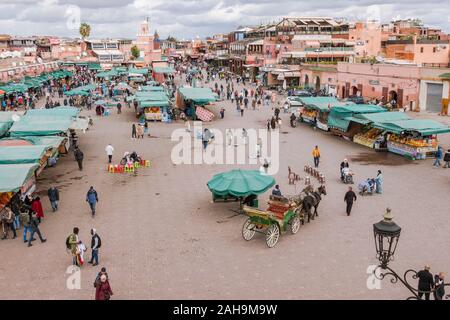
(163,70)
(337,118)
(198,95)
(6,116)
(94,66)
(151,88)
(142,71)
(76,92)
(423,126)
(67,112)
(154,103)
(321,103)
(358,108)
(151,95)
(48,141)
(14,176)
(22,154)
(107,74)
(40,126)
(382,116)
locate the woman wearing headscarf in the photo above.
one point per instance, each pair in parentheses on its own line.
(103,289)
(379,182)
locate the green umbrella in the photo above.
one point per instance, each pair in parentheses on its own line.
(240,183)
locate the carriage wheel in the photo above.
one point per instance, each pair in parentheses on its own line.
(248,230)
(272,235)
(295,224)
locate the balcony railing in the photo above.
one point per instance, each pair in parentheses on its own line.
(329,49)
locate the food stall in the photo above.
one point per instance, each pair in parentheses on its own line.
(152,103)
(16,178)
(317,109)
(189,98)
(370,136)
(340,119)
(413,138)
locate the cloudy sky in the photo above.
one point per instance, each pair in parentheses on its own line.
(192,18)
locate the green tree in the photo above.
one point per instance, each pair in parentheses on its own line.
(135,52)
(85,30)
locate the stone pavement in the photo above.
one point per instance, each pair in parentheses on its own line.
(163,238)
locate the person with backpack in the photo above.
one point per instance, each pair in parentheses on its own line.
(92,199)
(96,243)
(72,242)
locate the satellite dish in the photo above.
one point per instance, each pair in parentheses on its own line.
(15,117)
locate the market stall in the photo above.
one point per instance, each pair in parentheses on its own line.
(188,99)
(374,137)
(339,119)
(414,139)
(16,178)
(315,110)
(152,104)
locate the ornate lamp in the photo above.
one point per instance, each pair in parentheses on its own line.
(386,234)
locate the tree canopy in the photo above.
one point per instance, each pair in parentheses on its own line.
(85,30)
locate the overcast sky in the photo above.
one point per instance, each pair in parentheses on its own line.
(192,18)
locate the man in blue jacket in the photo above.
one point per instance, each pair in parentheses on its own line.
(92,199)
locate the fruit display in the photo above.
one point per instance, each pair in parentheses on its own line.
(408,146)
(309,113)
(427,143)
(367,138)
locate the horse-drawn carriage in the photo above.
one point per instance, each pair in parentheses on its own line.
(283,214)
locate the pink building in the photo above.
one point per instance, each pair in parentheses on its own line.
(367,38)
(145,41)
(380,81)
(420,51)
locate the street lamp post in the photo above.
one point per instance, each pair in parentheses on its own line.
(386,235)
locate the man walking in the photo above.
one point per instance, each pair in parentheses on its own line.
(79,158)
(426,282)
(96,243)
(92,199)
(438,157)
(316,156)
(53,196)
(109,152)
(349,198)
(34,223)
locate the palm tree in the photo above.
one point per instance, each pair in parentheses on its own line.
(85,30)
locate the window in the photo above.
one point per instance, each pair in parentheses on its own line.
(421,49)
